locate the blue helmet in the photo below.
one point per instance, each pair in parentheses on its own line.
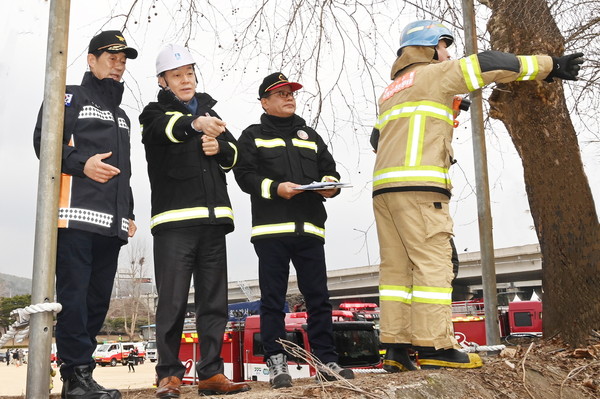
(426,33)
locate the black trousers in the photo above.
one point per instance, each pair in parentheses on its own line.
(86,264)
(179,255)
(308,257)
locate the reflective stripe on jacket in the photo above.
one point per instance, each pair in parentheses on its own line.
(270,156)
(94,124)
(188,187)
(414,151)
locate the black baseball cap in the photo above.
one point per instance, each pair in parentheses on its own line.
(112,41)
(274,81)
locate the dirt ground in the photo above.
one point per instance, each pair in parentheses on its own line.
(545,369)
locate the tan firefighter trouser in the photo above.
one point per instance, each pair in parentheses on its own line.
(414,230)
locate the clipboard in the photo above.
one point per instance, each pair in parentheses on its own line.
(324,185)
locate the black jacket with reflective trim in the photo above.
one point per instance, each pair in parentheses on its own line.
(270,155)
(188,187)
(94,124)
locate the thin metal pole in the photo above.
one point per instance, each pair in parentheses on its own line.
(486,240)
(44,256)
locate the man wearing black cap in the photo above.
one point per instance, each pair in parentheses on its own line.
(276,157)
(95,209)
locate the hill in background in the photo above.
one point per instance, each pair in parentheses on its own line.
(13,285)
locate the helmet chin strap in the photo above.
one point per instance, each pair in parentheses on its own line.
(173,93)
(166,88)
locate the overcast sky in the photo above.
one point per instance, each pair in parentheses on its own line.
(351,220)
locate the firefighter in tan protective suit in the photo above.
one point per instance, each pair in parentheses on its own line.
(412,188)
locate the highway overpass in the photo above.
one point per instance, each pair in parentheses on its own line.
(518,269)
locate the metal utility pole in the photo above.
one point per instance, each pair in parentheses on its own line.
(44,256)
(486,240)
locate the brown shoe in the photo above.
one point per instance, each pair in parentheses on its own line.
(168,387)
(218,384)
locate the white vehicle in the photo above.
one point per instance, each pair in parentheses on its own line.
(116,352)
(151,352)
(109,353)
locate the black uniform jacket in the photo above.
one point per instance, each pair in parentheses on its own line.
(188,187)
(271,154)
(94,124)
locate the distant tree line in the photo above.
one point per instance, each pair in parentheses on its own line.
(116,326)
(7,305)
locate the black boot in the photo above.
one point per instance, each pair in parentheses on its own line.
(79,386)
(397,360)
(430,358)
(113,393)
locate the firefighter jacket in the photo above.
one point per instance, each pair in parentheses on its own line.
(279,150)
(415,120)
(94,124)
(188,187)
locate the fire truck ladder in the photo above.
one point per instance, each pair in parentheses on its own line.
(247,291)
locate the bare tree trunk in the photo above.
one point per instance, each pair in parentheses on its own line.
(137,259)
(561,202)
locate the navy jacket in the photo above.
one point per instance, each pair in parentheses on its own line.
(269,155)
(94,124)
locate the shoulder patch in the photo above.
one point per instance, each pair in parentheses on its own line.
(68,98)
(400,83)
(302,134)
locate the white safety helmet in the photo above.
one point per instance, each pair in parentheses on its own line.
(171,57)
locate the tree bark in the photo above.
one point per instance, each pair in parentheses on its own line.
(538,121)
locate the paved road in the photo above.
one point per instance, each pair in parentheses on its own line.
(14,379)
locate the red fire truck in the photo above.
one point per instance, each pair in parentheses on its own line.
(356,343)
(522,318)
(363,311)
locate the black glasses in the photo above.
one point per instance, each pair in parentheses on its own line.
(283,94)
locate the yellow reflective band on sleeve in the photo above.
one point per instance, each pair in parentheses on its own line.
(412,173)
(235,156)
(265,188)
(312,229)
(529,67)
(179,214)
(223,212)
(396,293)
(472,72)
(269,143)
(169,128)
(273,229)
(435,295)
(311,145)
(409,109)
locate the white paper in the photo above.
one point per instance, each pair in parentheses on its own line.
(324,185)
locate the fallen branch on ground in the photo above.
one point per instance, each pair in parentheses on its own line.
(298,352)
